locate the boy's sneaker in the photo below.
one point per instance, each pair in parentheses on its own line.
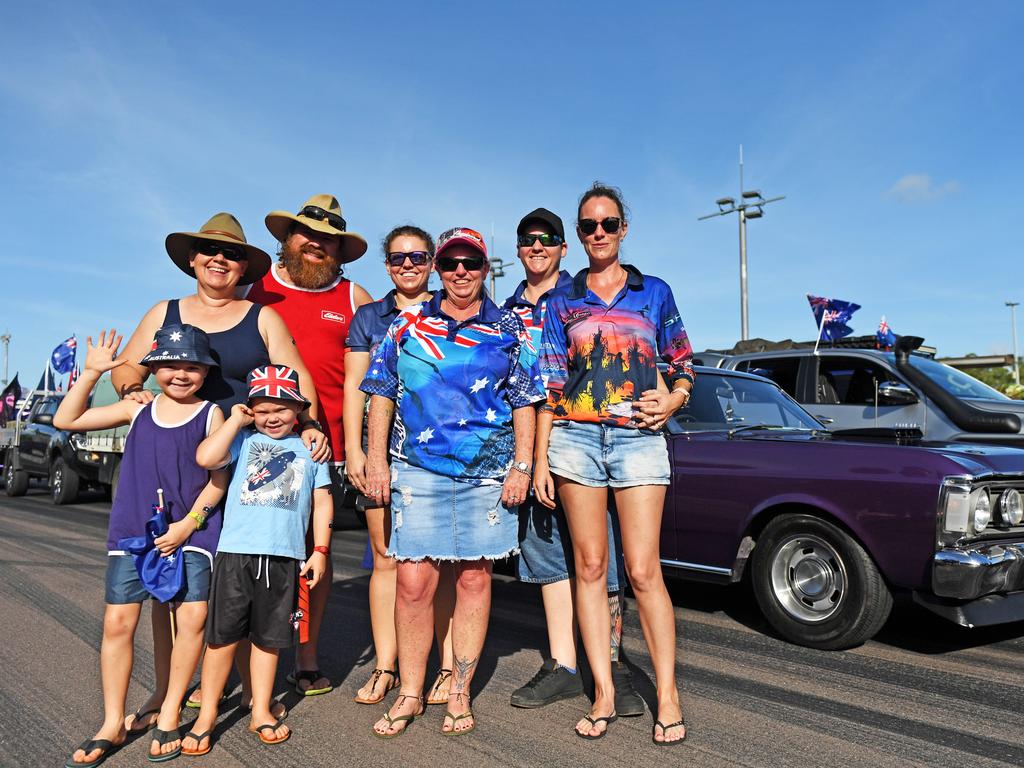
(552,683)
(628,702)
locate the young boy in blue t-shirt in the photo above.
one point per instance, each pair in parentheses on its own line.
(257,568)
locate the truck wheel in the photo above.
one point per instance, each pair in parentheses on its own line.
(63,482)
(15,480)
(816,586)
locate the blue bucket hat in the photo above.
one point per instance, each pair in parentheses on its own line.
(178,343)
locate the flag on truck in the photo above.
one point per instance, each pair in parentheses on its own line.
(9,401)
(73,377)
(885,339)
(63,357)
(832,316)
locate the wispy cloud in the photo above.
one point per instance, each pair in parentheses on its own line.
(919,188)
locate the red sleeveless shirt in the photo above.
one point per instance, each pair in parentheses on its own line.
(318,319)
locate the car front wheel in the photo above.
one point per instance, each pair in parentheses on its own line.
(64,482)
(15,480)
(816,585)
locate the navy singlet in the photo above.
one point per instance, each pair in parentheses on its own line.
(238,350)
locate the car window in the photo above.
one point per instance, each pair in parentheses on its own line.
(724,402)
(849,380)
(955,382)
(781,370)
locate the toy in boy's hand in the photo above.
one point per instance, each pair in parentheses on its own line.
(101,357)
(242,413)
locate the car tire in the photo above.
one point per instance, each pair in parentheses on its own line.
(15,480)
(816,585)
(64,482)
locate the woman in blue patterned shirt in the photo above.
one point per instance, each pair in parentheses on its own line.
(460,377)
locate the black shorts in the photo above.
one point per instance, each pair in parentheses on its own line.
(252,597)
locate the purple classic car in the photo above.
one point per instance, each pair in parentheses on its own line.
(829,525)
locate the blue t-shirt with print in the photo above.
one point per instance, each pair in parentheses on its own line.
(533,315)
(370,324)
(455,385)
(268,503)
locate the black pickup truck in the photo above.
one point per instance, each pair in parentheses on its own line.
(33,447)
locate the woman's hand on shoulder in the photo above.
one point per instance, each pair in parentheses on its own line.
(316,442)
(140,396)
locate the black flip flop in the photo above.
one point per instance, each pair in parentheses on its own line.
(133,731)
(108,747)
(664,728)
(162,737)
(594,721)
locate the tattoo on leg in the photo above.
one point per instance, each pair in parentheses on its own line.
(615,609)
(463,669)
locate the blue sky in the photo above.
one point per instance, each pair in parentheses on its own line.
(891,129)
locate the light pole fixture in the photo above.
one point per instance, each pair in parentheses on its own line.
(6,341)
(497,270)
(1013,324)
(751,206)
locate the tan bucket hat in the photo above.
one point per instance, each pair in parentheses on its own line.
(221,228)
(321,213)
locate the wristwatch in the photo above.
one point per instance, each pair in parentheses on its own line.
(311,423)
(522,466)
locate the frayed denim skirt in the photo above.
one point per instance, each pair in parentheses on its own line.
(434,517)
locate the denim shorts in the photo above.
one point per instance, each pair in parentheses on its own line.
(545,547)
(599,455)
(435,517)
(124,586)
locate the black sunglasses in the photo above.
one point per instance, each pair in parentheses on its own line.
(229,252)
(397,258)
(610,225)
(450,263)
(319,214)
(527,241)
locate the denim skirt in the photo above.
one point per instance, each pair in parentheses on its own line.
(434,517)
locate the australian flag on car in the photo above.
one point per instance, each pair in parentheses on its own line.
(885,339)
(832,316)
(63,357)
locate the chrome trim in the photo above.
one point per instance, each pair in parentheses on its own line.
(697,567)
(969,573)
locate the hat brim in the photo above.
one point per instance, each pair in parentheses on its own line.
(350,247)
(179,248)
(300,401)
(155,357)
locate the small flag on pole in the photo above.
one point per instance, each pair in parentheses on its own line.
(885,339)
(63,357)
(832,316)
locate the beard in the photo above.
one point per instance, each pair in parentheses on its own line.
(306,274)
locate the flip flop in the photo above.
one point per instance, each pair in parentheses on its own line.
(407,719)
(138,716)
(106,746)
(664,728)
(162,737)
(199,740)
(373,686)
(191,704)
(311,676)
(273,727)
(594,721)
(455,719)
(433,697)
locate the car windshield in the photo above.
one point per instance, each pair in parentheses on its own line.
(729,402)
(955,382)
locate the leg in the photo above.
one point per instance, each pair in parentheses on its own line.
(587,511)
(307,656)
(382,604)
(469,628)
(444,607)
(559,615)
(262,670)
(160,618)
(216,668)
(640,510)
(414,621)
(188,645)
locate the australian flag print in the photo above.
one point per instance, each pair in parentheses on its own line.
(274,477)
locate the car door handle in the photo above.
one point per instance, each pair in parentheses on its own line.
(824,419)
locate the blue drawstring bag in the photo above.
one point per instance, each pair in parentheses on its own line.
(163,577)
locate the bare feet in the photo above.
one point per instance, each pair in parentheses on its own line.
(405,709)
(144,718)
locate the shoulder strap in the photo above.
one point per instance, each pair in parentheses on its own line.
(173,315)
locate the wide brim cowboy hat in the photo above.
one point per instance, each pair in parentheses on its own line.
(321,213)
(222,228)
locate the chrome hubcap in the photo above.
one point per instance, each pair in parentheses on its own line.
(808,578)
(57,475)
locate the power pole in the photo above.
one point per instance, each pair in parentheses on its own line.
(1013,323)
(6,339)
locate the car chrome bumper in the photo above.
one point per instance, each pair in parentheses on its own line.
(966,574)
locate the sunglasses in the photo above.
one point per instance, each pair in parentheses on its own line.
(229,252)
(527,241)
(610,225)
(450,263)
(397,258)
(317,213)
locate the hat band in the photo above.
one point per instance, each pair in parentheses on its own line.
(221,232)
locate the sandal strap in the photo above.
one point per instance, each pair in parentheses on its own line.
(456,718)
(89,745)
(676,724)
(309,675)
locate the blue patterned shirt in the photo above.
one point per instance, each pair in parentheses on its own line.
(455,385)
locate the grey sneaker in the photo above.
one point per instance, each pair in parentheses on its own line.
(628,702)
(552,683)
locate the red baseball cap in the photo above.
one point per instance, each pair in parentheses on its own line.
(457,235)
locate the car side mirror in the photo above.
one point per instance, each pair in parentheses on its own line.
(46,419)
(896,393)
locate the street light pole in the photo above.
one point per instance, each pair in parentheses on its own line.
(6,340)
(751,206)
(1013,323)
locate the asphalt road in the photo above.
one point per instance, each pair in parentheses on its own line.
(924,692)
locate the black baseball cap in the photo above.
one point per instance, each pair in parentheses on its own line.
(545,216)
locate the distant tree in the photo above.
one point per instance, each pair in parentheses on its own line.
(998,378)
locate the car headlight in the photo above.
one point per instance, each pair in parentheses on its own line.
(1011,509)
(981,510)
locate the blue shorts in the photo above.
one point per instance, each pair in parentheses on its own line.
(124,586)
(435,517)
(603,455)
(545,547)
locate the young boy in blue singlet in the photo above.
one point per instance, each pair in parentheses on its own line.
(255,575)
(159,454)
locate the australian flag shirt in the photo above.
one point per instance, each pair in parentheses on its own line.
(455,385)
(268,504)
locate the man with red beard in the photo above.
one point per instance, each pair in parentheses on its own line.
(308,290)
